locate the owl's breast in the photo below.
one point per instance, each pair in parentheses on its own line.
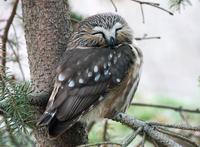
(118,99)
(121,96)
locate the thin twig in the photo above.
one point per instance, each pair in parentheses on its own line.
(131,137)
(74,20)
(101,143)
(176,135)
(167,107)
(143,139)
(155,143)
(2,112)
(17,54)
(146,3)
(115,7)
(18,61)
(90,126)
(19,16)
(2,20)
(181,126)
(142,11)
(156,5)
(139,144)
(147,38)
(184,119)
(5,37)
(105,128)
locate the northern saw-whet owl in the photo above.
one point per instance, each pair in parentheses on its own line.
(98,76)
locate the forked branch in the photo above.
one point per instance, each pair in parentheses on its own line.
(154,131)
(142,3)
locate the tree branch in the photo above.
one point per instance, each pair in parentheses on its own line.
(148,129)
(132,137)
(5,37)
(101,143)
(180,108)
(180,126)
(142,11)
(105,128)
(156,5)
(147,38)
(115,7)
(178,136)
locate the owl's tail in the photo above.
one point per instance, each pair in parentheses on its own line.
(49,113)
(46,118)
(57,128)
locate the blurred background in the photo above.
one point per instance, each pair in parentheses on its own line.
(171,64)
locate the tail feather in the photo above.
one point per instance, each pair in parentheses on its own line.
(53,95)
(46,118)
(57,128)
(48,115)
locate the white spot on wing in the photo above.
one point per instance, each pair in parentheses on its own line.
(89,74)
(71,83)
(109,63)
(101,98)
(104,65)
(118,80)
(96,69)
(115,60)
(50,113)
(91,107)
(61,77)
(81,81)
(106,72)
(110,56)
(97,77)
(87,70)
(78,62)
(119,55)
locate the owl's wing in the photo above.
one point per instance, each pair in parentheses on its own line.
(82,81)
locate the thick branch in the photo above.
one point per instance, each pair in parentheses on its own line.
(149,130)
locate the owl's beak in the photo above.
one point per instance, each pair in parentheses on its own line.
(111,42)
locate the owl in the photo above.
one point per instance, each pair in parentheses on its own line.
(98,75)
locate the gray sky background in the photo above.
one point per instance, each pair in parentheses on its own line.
(171,65)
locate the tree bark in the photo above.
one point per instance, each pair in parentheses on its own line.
(47,29)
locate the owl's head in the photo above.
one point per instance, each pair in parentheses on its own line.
(103,30)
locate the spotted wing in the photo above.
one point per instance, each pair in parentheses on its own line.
(84,78)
